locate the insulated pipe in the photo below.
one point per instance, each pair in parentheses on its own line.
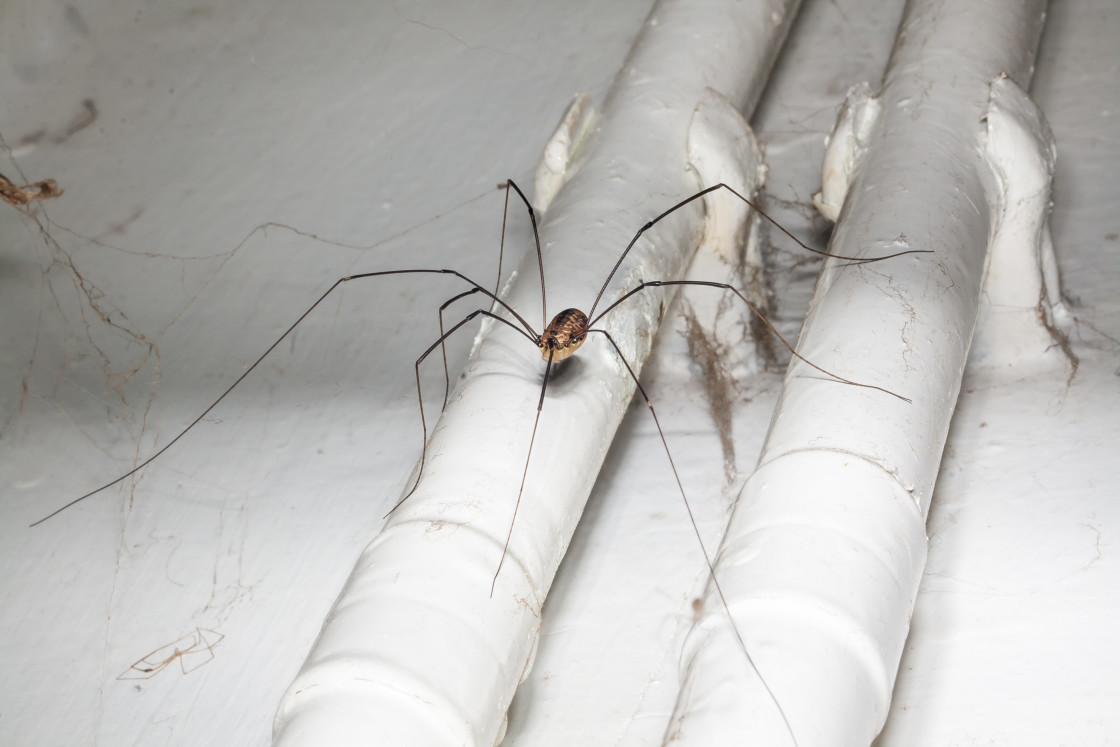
(824,553)
(416,650)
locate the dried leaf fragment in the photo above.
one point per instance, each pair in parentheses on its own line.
(28,193)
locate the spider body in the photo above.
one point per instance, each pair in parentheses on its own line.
(564,334)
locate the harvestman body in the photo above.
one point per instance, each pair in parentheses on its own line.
(563,336)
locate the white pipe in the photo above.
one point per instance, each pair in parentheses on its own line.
(415,650)
(825,550)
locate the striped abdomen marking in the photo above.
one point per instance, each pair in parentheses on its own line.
(564,334)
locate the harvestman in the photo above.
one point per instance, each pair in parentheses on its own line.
(560,339)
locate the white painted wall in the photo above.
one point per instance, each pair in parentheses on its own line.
(361,125)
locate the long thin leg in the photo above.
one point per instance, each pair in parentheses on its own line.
(757,209)
(420,394)
(502,242)
(524,472)
(498,280)
(696,530)
(759,314)
(443,348)
(536,238)
(531,334)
